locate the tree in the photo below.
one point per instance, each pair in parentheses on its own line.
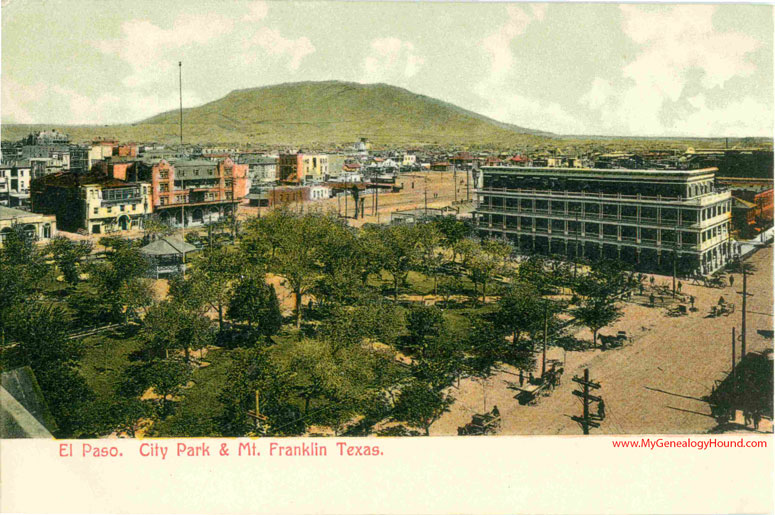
(599,290)
(520,310)
(422,324)
(596,313)
(154,228)
(485,346)
(167,377)
(396,248)
(212,276)
(119,280)
(126,415)
(484,261)
(171,325)
(253,370)
(22,271)
(420,405)
(255,303)
(452,232)
(40,331)
(67,255)
(292,244)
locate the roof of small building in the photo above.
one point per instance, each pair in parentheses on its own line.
(167,246)
(24,412)
(9,213)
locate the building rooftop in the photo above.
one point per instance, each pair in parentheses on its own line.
(167,246)
(9,213)
(609,172)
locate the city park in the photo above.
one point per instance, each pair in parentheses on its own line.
(299,324)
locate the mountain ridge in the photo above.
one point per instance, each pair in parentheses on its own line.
(315,112)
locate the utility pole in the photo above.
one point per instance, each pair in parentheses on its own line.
(454,179)
(586,420)
(257,416)
(468,188)
(180,84)
(734,375)
(675,254)
(745,297)
(426,195)
(546,330)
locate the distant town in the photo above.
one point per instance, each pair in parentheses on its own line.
(193,290)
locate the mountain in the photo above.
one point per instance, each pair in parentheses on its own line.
(308,113)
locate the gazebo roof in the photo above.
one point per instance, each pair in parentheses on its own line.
(167,246)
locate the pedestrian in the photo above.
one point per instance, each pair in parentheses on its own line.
(651,280)
(679,286)
(731,280)
(651,299)
(747,417)
(691,300)
(601,409)
(521,377)
(530,378)
(757,417)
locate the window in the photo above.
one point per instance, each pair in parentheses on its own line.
(110,209)
(96,210)
(121,208)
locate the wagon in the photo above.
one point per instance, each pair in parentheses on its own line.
(482,424)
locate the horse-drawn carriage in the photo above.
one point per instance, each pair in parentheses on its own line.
(613,341)
(482,424)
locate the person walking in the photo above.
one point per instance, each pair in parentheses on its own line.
(757,417)
(601,409)
(679,286)
(521,377)
(731,280)
(691,300)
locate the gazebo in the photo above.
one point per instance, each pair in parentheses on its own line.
(166,256)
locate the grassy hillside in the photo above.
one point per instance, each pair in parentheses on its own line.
(314,113)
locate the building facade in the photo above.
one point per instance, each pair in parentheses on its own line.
(39,227)
(193,192)
(300,168)
(15,184)
(647,218)
(93,203)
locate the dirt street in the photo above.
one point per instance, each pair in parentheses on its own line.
(651,385)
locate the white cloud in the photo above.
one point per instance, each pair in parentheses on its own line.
(598,94)
(272,42)
(257,11)
(18,100)
(497,88)
(679,50)
(391,59)
(149,49)
(738,118)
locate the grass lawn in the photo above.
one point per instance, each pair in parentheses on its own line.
(199,406)
(104,359)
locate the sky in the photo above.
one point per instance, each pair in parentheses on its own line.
(604,69)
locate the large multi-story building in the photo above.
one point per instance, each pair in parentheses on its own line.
(300,168)
(94,202)
(15,184)
(644,217)
(192,192)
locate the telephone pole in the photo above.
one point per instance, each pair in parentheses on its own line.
(180,84)
(586,420)
(454,179)
(745,297)
(734,375)
(546,328)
